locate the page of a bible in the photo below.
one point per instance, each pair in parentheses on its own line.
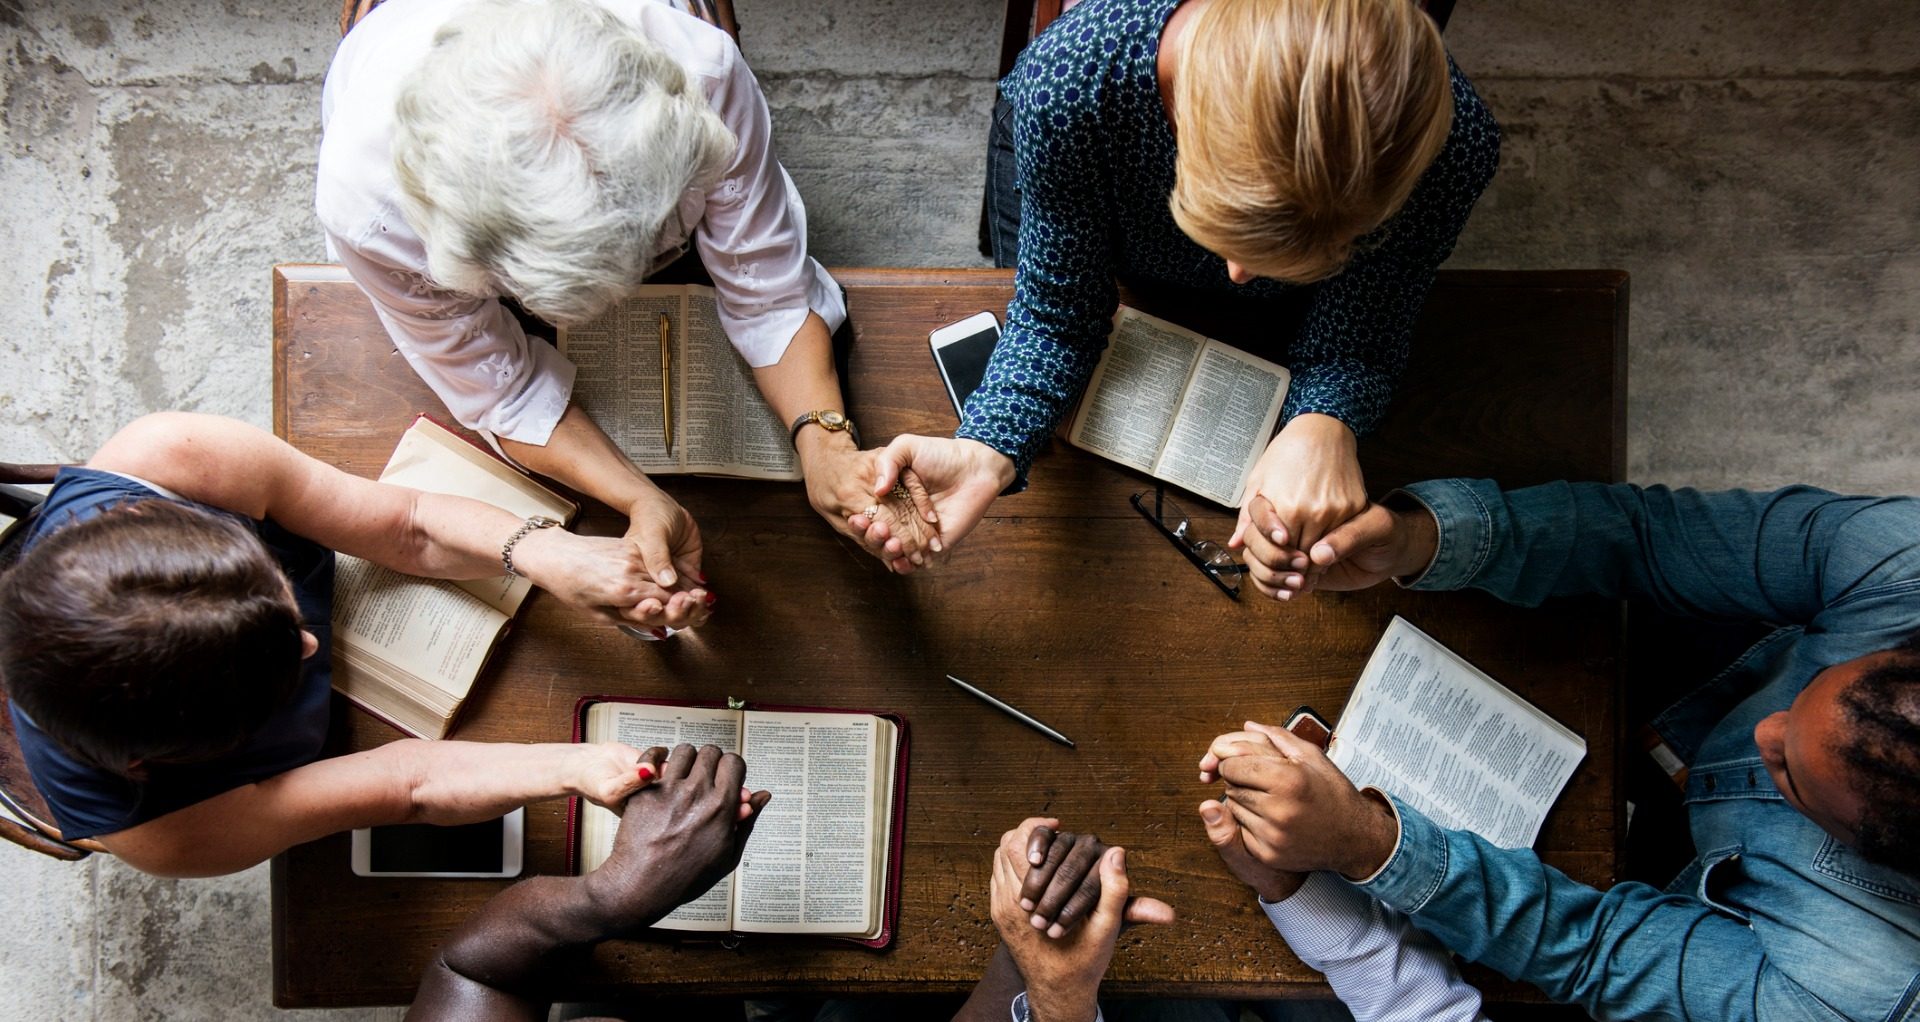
(431,629)
(810,865)
(616,380)
(1460,747)
(729,428)
(1136,388)
(1224,423)
(431,458)
(643,725)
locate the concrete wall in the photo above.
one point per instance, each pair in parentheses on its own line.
(1754,163)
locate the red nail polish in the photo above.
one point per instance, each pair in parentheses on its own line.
(660,633)
(646,771)
(702,577)
(712,599)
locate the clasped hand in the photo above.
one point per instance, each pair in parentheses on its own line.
(1059,901)
(950,482)
(1291,810)
(678,836)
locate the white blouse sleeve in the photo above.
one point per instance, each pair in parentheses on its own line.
(1378,964)
(470,351)
(752,238)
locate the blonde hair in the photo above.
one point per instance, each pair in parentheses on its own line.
(542,148)
(1302,125)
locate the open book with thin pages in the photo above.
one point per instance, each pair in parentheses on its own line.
(408,649)
(1180,407)
(1442,736)
(631,383)
(824,859)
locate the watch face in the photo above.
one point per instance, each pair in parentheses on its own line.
(833,420)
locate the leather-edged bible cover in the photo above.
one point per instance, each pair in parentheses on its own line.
(896,813)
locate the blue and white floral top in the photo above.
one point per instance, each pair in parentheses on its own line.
(1095,164)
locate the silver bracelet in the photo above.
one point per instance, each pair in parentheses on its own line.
(506,552)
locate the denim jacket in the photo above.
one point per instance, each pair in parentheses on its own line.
(1774,919)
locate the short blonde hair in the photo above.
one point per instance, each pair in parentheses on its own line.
(542,149)
(1302,125)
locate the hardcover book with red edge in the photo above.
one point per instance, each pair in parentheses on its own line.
(841,880)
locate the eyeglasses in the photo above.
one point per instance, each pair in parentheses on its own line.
(1213,559)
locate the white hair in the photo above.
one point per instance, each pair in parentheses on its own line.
(541,149)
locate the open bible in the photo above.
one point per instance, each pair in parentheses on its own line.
(824,859)
(408,649)
(1457,745)
(634,385)
(1180,407)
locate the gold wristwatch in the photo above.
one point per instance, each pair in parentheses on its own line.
(829,420)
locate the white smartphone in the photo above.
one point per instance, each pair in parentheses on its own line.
(961,350)
(490,848)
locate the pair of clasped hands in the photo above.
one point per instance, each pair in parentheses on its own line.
(911,502)
(930,492)
(1061,899)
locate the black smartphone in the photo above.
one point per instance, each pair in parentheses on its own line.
(961,350)
(1311,726)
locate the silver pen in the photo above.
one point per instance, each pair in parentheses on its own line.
(1015,714)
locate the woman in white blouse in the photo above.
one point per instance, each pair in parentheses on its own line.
(560,151)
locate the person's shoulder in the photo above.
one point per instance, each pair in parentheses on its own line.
(1474,127)
(705,51)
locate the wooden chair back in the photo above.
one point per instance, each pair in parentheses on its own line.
(32,825)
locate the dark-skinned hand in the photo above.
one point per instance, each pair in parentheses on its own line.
(1062,883)
(678,836)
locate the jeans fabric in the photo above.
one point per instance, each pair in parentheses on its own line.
(1774,919)
(1003,188)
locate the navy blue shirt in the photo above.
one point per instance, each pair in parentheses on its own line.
(87,801)
(1094,159)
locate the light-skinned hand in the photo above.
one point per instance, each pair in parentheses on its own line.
(678,837)
(960,479)
(609,578)
(839,480)
(1306,483)
(1063,974)
(1231,844)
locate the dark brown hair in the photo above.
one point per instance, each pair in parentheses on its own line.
(1882,707)
(154,631)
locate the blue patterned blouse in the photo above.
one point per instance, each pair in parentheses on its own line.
(1094,159)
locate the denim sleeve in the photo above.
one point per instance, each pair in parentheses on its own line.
(1789,556)
(1354,342)
(1629,953)
(1063,291)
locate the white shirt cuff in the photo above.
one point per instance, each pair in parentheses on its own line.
(1320,918)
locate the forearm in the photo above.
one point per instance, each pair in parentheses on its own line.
(993,996)
(804,380)
(1733,555)
(447,782)
(490,967)
(1630,952)
(581,456)
(1378,965)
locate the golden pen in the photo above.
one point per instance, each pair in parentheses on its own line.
(666,379)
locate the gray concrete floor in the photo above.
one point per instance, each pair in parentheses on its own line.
(1754,164)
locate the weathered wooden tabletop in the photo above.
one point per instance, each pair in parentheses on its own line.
(1063,602)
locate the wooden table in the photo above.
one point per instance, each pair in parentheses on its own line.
(1064,601)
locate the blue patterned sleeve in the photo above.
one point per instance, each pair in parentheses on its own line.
(1063,293)
(1354,343)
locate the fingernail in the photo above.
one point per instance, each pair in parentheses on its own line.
(646,771)
(1279,536)
(1034,858)
(659,633)
(711,599)
(1212,816)
(1026,904)
(1056,931)
(1293,580)
(937,545)
(701,576)
(1038,922)
(1285,595)
(667,577)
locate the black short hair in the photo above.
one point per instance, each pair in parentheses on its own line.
(1882,708)
(153,632)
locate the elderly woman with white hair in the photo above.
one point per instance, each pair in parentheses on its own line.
(560,152)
